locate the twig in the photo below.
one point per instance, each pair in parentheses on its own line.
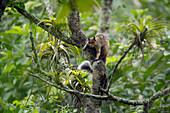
(142,36)
(38,89)
(36,58)
(117,64)
(34,50)
(32,82)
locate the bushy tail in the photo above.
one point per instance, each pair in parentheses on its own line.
(86,66)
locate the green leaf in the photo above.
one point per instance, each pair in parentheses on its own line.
(124,6)
(134,26)
(94,27)
(86,5)
(132,85)
(26,28)
(17,28)
(20,5)
(134,12)
(157,102)
(16,32)
(46,20)
(152,68)
(57,79)
(139,79)
(142,24)
(118,74)
(143,86)
(156,28)
(63,11)
(12,31)
(156,23)
(112,59)
(51,17)
(35,110)
(16,102)
(8,67)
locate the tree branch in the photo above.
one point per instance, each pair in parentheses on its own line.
(75,92)
(109,96)
(117,64)
(75,27)
(145,107)
(142,36)
(78,38)
(157,95)
(47,28)
(99,97)
(149,103)
(34,50)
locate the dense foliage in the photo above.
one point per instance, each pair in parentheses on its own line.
(143,72)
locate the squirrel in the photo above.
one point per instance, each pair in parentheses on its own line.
(101,43)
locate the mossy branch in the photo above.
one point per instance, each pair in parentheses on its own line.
(157,95)
(148,104)
(47,28)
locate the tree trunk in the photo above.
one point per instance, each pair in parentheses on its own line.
(99,78)
(99,81)
(105,18)
(99,67)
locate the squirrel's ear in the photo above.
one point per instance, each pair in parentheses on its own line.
(94,37)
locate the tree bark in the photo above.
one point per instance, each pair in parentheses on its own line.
(3,4)
(105,18)
(99,81)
